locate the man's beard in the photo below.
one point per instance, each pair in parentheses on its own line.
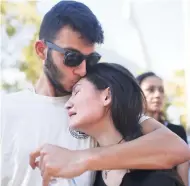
(54,75)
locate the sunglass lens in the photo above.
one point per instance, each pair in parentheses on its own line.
(73,59)
(93,59)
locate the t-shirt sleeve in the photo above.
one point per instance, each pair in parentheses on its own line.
(143,118)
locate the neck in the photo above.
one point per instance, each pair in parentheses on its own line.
(44,87)
(105,133)
(154,115)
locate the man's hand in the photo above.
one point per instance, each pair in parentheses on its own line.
(55,161)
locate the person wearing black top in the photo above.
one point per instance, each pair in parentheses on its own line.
(108,104)
(153,89)
(178,129)
(145,178)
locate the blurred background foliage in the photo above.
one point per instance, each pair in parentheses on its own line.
(19,15)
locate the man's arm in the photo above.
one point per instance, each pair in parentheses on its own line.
(158,149)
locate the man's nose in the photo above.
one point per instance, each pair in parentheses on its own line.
(81,69)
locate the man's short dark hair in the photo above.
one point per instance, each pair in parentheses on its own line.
(75,15)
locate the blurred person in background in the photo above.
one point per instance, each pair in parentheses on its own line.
(153,88)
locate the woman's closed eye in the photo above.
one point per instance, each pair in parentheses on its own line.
(75,92)
(76,89)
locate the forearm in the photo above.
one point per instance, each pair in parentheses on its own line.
(160,149)
(183,170)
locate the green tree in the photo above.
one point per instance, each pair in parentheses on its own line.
(32,64)
(20,15)
(176,90)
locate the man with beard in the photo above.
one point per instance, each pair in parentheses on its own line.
(31,118)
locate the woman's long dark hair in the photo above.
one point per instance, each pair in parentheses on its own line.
(127,96)
(127,100)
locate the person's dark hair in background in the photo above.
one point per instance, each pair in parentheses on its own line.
(153,89)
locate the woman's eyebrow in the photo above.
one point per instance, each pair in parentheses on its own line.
(76,85)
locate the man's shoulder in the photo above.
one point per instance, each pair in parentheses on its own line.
(16,94)
(14,98)
(10,107)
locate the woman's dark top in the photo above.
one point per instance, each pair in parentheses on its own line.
(145,178)
(151,177)
(177,129)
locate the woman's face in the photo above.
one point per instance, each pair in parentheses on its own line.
(86,106)
(154,92)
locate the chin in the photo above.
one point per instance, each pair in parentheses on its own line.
(156,110)
(69,87)
(77,126)
(69,90)
(74,125)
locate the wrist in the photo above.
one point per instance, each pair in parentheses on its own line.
(88,157)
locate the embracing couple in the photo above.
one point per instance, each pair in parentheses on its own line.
(98,135)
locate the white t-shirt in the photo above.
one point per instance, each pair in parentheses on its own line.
(28,121)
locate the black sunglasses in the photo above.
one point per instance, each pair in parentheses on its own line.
(74,58)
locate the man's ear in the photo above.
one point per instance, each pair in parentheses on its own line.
(106,97)
(41,49)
